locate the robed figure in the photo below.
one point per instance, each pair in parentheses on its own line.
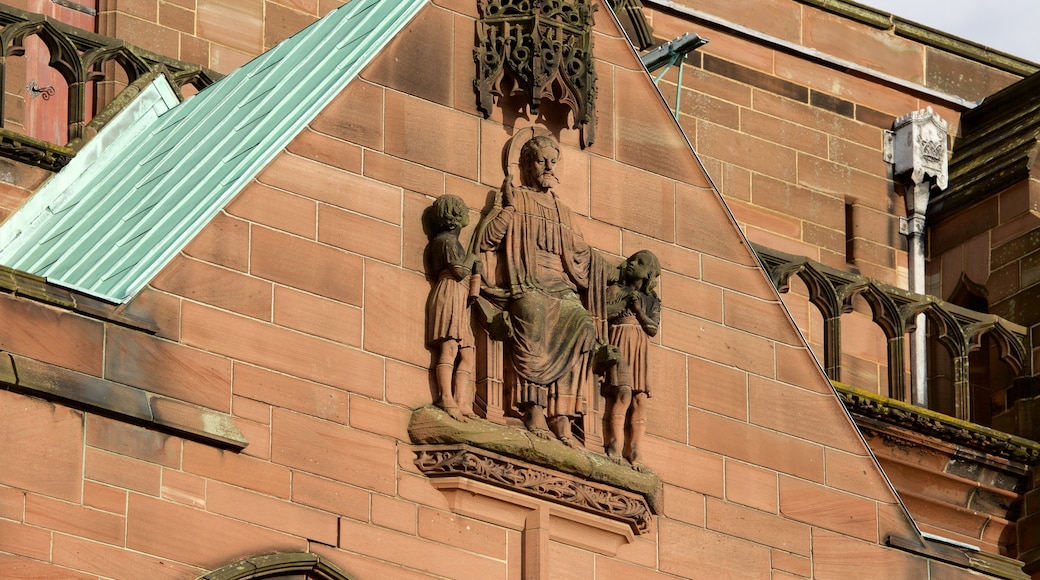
(553,293)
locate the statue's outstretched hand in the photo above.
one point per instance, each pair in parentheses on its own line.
(508,191)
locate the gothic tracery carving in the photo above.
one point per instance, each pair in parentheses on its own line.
(545,46)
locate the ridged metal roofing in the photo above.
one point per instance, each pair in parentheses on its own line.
(146,195)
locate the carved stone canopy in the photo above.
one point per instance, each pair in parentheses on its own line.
(545,47)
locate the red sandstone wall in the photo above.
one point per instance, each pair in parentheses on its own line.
(299,311)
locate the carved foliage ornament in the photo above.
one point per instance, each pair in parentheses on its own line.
(535,481)
(546,47)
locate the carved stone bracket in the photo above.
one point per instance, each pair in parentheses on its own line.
(545,46)
(498,470)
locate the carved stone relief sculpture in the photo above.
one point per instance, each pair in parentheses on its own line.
(550,291)
(449,333)
(634,312)
(567,326)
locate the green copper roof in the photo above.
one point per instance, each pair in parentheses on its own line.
(148,191)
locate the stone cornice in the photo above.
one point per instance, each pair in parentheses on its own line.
(123,402)
(926,36)
(943,427)
(38,288)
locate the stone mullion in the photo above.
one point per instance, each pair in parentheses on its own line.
(961,386)
(897,367)
(832,347)
(77,108)
(3,90)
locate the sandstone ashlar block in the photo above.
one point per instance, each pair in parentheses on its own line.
(760,527)
(467,533)
(281,22)
(197,537)
(718,388)
(112,561)
(331,496)
(354,116)
(168,368)
(394,514)
(818,119)
(237,24)
(74,519)
(282,350)
(786,133)
(722,344)
(183,488)
(417,553)
(107,498)
(850,40)
(570,562)
(23,540)
(318,316)
(613,187)
(58,429)
(271,513)
(236,469)
(756,445)
(224,242)
(398,327)
(133,441)
(405,174)
(332,185)
(347,455)
(288,392)
(359,234)
(752,486)
(121,471)
(421,62)
(51,335)
(684,505)
(412,141)
(829,509)
(680,466)
(703,554)
(837,557)
(758,155)
(802,413)
(277,209)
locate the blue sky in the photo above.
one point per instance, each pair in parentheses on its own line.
(1011,26)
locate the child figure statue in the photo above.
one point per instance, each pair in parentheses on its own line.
(448,331)
(634,313)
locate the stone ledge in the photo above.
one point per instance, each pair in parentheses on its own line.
(935,424)
(517,450)
(37,288)
(123,402)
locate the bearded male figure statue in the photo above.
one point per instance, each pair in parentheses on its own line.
(553,280)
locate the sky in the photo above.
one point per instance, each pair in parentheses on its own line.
(1011,26)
